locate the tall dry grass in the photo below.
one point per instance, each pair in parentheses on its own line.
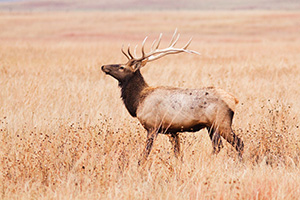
(64,133)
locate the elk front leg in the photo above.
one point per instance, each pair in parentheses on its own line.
(175,140)
(216,140)
(151,136)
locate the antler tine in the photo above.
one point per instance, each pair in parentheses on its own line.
(153,43)
(187,44)
(190,51)
(143,47)
(173,44)
(158,43)
(172,40)
(159,39)
(129,53)
(135,50)
(124,52)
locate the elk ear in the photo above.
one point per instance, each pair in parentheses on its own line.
(141,64)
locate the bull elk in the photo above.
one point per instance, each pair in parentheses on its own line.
(170,110)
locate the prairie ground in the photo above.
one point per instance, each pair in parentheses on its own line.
(65,133)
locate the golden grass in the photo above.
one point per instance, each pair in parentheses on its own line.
(65,134)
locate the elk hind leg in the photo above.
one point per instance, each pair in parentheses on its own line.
(175,140)
(216,139)
(224,123)
(233,139)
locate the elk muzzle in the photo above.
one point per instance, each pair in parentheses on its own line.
(105,69)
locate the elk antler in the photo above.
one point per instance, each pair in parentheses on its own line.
(156,53)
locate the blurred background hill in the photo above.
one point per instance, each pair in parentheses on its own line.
(89,5)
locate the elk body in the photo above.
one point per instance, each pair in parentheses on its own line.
(170,110)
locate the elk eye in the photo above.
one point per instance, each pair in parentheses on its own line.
(122,67)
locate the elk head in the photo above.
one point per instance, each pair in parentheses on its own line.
(123,72)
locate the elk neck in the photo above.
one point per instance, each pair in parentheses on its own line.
(131,89)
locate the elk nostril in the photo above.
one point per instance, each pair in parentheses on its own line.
(104,69)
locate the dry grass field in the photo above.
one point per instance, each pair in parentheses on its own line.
(65,133)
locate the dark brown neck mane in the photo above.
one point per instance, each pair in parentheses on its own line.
(131,89)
